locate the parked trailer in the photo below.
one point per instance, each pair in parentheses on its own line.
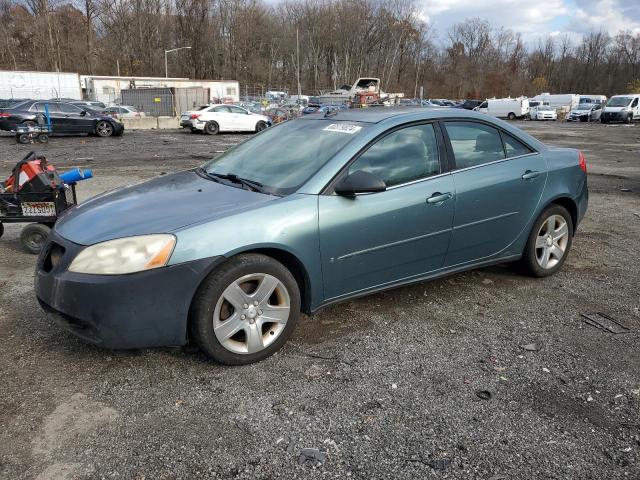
(563,101)
(593,99)
(510,108)
(39,85)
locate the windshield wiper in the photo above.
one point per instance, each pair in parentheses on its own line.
(252,184)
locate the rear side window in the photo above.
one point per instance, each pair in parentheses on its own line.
(474,144)
(513,147)
(222,110)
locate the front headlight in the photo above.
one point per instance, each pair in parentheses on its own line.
(125,255)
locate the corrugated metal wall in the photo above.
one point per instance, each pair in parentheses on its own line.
(165,102)
(190,98)
(155,102)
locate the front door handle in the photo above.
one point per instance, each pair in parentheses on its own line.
(529,174)
(438,197)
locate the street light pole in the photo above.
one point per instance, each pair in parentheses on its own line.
(166,65)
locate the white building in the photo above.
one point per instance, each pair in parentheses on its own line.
(107,89)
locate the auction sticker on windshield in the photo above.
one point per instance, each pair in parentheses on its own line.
(343,128)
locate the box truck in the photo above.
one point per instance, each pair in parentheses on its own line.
(39,85)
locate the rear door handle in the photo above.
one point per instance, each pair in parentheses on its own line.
(529,174)
(439,197)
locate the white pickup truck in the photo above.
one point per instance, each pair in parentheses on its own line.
(212,119)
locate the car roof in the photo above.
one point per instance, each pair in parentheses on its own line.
(380,114)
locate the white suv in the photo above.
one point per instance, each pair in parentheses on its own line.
(212,119)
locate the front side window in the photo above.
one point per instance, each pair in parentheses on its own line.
(68,108)
(474,144)
(403,156)
(635,103)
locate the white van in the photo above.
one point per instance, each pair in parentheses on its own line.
(622,108)
(510,108)
(593,99)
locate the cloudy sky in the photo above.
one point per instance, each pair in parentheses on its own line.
(534,18)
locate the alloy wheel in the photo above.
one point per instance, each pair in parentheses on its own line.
(104,129)
(552,241)
(251,313)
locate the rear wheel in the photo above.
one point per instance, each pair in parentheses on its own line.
(511,116)
(1,229)
(34,237)
(43,138)
(245,310)
(211,128)
(104,129)
(549,242)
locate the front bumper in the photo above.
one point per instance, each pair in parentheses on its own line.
(145,309)
(614,116)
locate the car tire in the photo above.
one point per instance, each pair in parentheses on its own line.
(261,125)
(211,128)
(43,138)
(104,129)
(549,242)
(24,138)
(511,116)
(628,120)
(34,237)
(248,338)
(194,130)
(1,229)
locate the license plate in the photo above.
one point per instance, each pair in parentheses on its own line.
(38,209)
(185,117)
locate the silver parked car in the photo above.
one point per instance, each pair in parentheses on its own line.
(585,112)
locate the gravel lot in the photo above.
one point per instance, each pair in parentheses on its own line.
(386,386)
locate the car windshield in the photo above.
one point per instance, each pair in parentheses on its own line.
(284,157)
(619,101)
(545,108)
(584,106)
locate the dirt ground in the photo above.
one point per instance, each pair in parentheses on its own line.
(387,386)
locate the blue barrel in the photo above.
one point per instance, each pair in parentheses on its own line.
(75,175)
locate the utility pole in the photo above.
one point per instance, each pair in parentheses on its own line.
(166,67)
(298,62)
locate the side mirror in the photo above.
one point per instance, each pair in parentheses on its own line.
(83,113)
(359,182)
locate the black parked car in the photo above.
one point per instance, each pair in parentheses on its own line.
(65,118)
(470,104)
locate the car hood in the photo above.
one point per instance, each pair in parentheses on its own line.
(163,204)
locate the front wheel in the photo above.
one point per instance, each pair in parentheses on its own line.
(34,237)
(104,129)
(245,310)
(261,125)
(549,242)
(628,120)
(511,116)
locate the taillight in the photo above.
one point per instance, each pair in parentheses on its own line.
(194,116)
(582,162)
(4,115)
